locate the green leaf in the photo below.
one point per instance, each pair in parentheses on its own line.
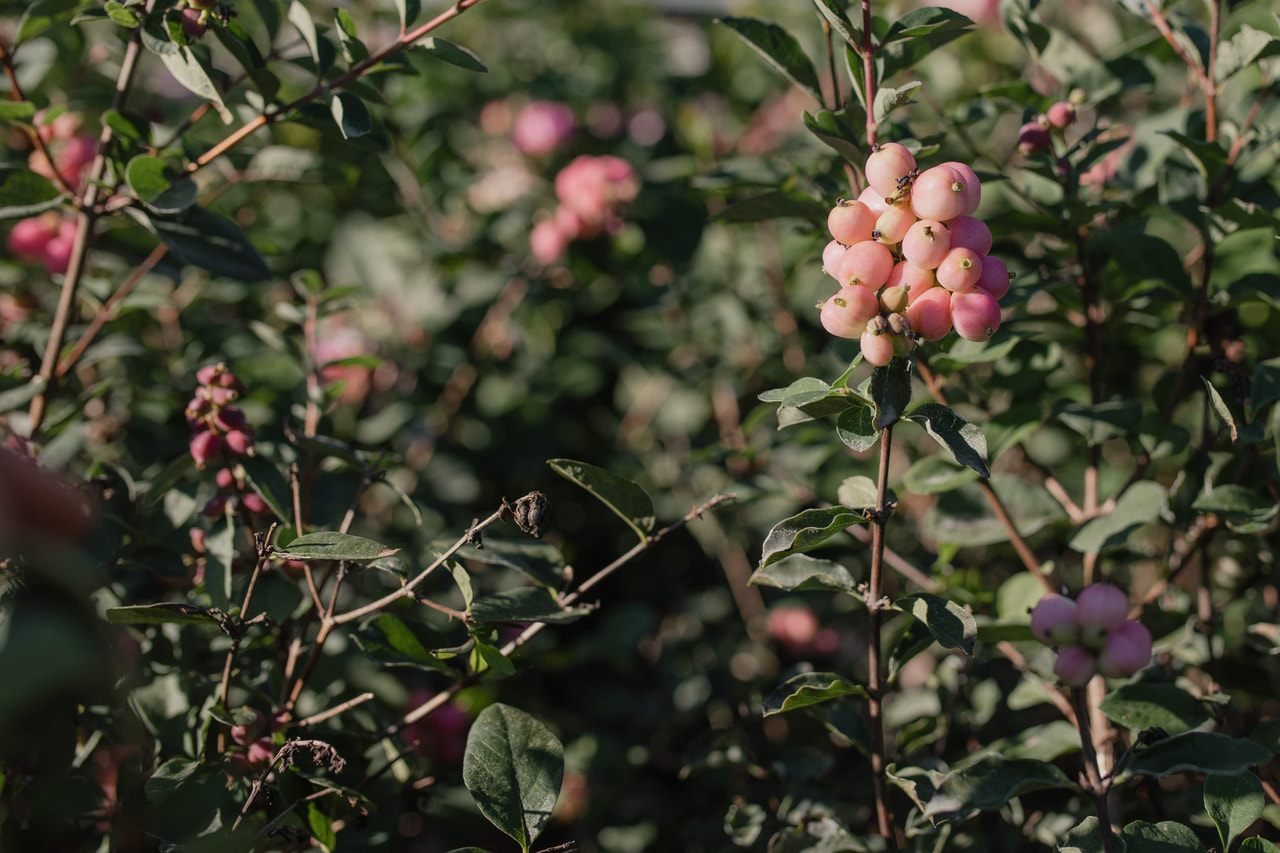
(856,428)
(1163,837)
(23,111)
(810,688)
(800,573)
(1265,387)
(889,99)
(932,475)
(839,131)
(859,493)
(1234,803)
(806,531)
(917,34)
(949,623)
(1250,434)
(220,553)
(1257,845)
(331,545)
(191,71)
(1142,503)
(525,604)
(121,15)
(390,640)
(17,397)
(775,204)
(42,15)
(321,826)
(1046,742)
(1196,752)
(833,12)
(447,51)
(513,768)
(203,239)
(240,44)
(965,441)
(891,391)
(128,126)
(1244,509)
(160,187)
(485,656)
(351,115)
(913,639)
(353,50)
(301,19)
(992,781)
(168,777)
(173,612)
(269,483)
(1148,705)
(1102,422)
(539,561)
(779,48)
(964,517)
(23,193)
(1085,837)
(1244,49)
(1210,158)
(625,497)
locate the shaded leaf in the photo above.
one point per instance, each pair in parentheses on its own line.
(350,114)
(158,186)
(932,475)
(265,479)
(801,573)
(513,767)
(949,623)
(1142,503)
(1265,387)
(1163,837)
(1085,837)
(779,48)
(1242,508)
(917,34)
(158,614)
(965,441)
(1196,752)
(1102,422)
(539,561)
(1146,705)
(331,545)
(891,391)
(1234,803)
(42,15)
(390,640)
(839,130)
(203,239)
(408,11)
(964,517)
(833,12)
(992,781)
(805,531)
(447,51)
(625,497)
(810,688)
(190,70)
(889,99)
(23,193)
(526,604)
(23,394)
(1244,49)
(775,204)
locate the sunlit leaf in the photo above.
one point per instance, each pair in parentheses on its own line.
(513,767)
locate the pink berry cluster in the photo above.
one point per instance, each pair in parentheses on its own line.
(1037,134)
(219,434)
(591,190)
(911,258)
(1092,633)
(71,150)
(45,239)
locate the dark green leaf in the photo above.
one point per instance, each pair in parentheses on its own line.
(1085,837)
(1209,157)
(917,34)
(540,562)
(160,187)
(1102,422)
(949,623)
(800,573)
(1243,50)
(321,826)
(1224,413)
(351,115)
(390,640)
(120,15)
(838,130)
(891,392)
(1163,837)
(41,15)
(408,11)
(526,604)
(776,204)
(1234,803)
(447,51)
(913,639)
(1243,508)
(331,545)
(932,475)
(806,531)
(918,783)
(239,44)
(1257,844)
(625,497)
(513,768)
(1265,387)
(1148,705)
(353,50)
(923,21)
(203,239)
(23,193)
(992,781)
(780,49)
(269,483)
(965,441)
(833,12)
(1196,752)
(168,777)
(486,656)
(158,614)
(810,688)
(1142,503)
(23,111)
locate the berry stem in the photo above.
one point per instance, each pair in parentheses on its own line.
(1094,783)
(875,683)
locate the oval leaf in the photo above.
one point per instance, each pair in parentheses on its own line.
(331,545)
(526,604)
(1163,837)
(1196,752)
(351,115)
(203,239)
(799,573)
(513,768)
(891,391)
(1234,803)
(1143,502)
(807,530)
(856,428)
(625,497)
(173,612)
(966,442)
(949,623)
(810,688)
(390,640)
(158,186)
(933,475)
(23,193)
(780,49)
(1150,705)
(447,51)
(991,782)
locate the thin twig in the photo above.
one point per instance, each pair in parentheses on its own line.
(875,683)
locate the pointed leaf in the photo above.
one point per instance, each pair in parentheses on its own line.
(447,51)
(16,397)
(331,545)
(949,623)
(390,640)
(1163,837)
(965,441)
(1242,508)
(408,11)
(157,614)
(913,639)
(1102,422)
(353,50)
(917,34)
(1046,742)
(526,604)
(856,428)
(991,782)
(1196,752)
(23,193)
(1249,434)
(41,15)
(1147,705)
(800,573)
(1234,803)
(1244,49)
(889,99)
(203,239)
(891,391)
(1142,503)
(780,49)
(838,131)
(301,19)
(775,204)
(807,530)
(625,497)
(189,70)
(833,12)
(540,562)
(351,115)
(810,688)
(513,768)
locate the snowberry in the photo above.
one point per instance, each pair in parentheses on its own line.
(867,263)
(1127,650)
(547,241)
(892,225)
(1061,114)
(239,442)
(888,167)
(1100,609)
(845,314)
(916,279)
(57,254)
(254,503)
(1033,137)
(831,255)
(895,298)
(195,23)
(224,478)
(975,314)
(926,243)
(930,314)
(877,349)
(959,270)
(851,222)
(204,446)
(944,192)
(875,202)
(1074,666)
(995,277)
(28,238)
(970,233)
(1053,620)
(542,127)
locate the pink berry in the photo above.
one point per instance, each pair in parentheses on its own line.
(975,314)
(1033,137)
(28,238)
(230,418)
(793,626)
(215,506)
(204,446)
(845,314)
(831,255)
(194,23)
(943,193)
(239,442)
(260,753)
(867,263)
(851,222)
(930,314)
(57,255)
(1127,650)
(926,243)
(221,395)
(1074,666)
(995,277)
(877,350)
(224,478)
(916,279)
(970,233)
(1061,114)
(892,225)
(959,270)
(887,166)
(542,127)
(253,502)
(1053,620)
(547,241)
(207,374)
(1100,609)
(874,201)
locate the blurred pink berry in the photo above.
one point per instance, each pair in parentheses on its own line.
(260,753)
(224,478)
(223,396)
(215,507)
(794,626)
(254,503)
(230,418)
(542,127)
(204,446)
(239,442)
(1075,666)
(28,238)
(1100,609)
(57,255)
(547,241)
(197,539)
(1061,114)
(194,23)
(1127,650)
(1033,137)
(1053,620)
